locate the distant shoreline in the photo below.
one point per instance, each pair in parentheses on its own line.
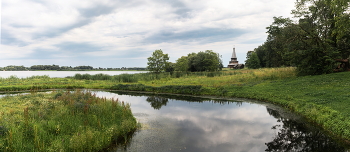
(67,68)
(74,70)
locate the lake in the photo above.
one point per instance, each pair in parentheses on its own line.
(180,123)
(60,74)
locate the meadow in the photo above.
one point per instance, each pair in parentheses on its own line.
(63,121)
(322,99)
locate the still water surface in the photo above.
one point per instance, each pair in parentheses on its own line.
(60,74)
(176,123)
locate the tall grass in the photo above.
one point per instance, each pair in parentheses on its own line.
(268,73)
(63,121)
(228,78)
(103,81)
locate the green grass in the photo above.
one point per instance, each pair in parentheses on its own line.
(63,121)
(323,99)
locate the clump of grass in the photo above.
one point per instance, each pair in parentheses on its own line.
(63,121)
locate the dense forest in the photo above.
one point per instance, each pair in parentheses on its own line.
(316,42)
(61,68)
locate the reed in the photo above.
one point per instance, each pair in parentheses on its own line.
(63,121)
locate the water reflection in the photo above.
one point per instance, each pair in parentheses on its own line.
(157,102)
(297,136)
(173,123)
(180,123)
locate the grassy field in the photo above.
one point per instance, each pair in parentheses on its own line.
(323,99)
(63,121)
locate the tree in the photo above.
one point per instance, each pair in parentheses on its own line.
(170,67)
(182,64)
(252,61)
(324,26)
(204,61)
(158,62)
(313,43)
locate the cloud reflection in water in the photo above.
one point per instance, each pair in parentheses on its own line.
(201,125)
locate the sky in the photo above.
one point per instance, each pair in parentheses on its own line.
(124,33)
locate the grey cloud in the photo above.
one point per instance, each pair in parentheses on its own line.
(53,32)
(180,8)
(42,54)
(204,35)
(8,39)
(86,17)
(75,48)
(138,52)
(96,11)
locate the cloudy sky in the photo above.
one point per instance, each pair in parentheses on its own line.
(123,33)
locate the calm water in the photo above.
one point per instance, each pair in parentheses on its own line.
(175,123)
(60,74)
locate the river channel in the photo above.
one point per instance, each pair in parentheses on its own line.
(180,123)
(195,124)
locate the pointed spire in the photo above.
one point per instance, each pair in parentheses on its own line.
(234,53)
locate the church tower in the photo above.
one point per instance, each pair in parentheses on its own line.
(233,63)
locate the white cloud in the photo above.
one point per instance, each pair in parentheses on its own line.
(116,28)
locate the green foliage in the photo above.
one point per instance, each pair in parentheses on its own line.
(312,44)
(170,68)
(182,64)
(252,61)
(179,89)
(63,121)
(198,62)
(45,67)
(204,61)
(158,62)
(58,68)
(14,68)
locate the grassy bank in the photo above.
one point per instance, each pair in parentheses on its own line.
(63,121)
(323,99)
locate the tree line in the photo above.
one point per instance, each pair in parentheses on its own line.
(193,62)
(317,42)
(61,68)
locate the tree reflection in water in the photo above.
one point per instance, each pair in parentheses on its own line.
(157,102)
(296,136)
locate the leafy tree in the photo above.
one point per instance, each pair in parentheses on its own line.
(170,67)
(45,67)
(158,62)
(261,52)
(182,64)
(204,61)
(252,61)
(324,28)
(14,68)
(192,62)
(275,44)
(319,38)
(84,67)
